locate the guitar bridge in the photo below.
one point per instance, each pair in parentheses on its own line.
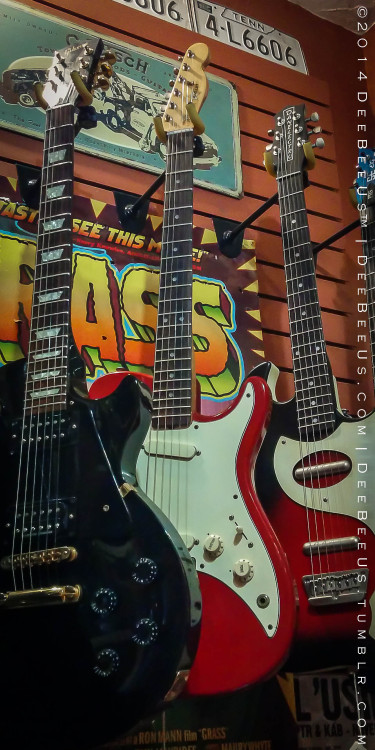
(38,557)
(40,597)
(342,587)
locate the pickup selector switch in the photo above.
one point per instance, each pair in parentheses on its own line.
(243,570)
(145,571)
(107,662)
(213,545)
(104,601)
(145,632)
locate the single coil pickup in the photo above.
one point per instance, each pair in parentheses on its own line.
(322,470)
(341,544)
(53,516)
(342,587)
(39,557)
(40,597)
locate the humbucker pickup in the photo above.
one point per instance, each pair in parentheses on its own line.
(342,587)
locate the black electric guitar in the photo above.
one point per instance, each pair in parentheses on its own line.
(306,473)
(99,603)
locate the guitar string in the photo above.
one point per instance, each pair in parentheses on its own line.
(26,441)
(294,266)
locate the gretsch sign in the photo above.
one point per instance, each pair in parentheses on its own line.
(227,26)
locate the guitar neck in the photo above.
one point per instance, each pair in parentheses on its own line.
(172,390)
(47,370)
(313,383)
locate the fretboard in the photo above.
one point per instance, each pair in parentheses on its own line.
(172,391)
(368,237)
(313,385)
(47,370)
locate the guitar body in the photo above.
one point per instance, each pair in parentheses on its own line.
(201,478)
(326,633)
(87,670)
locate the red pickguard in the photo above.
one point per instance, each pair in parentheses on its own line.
(234,650)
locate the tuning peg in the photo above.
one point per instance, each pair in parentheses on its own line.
(106,69)
(103,83)
(314,117)
(180,58)
(271,132)
(185,66)
(315,131)
(88,50)
(190,53)
(269,147)
(109,57)
(175,70)
(319,143)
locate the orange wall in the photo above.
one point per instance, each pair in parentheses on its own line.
(263,88)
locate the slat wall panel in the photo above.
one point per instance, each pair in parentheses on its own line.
(263,88)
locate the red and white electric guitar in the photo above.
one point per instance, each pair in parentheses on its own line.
(307,470)
(199,469)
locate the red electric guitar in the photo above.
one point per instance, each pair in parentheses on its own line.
(199,469)
(310,462)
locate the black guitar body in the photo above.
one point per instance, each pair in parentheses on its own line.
(77,673)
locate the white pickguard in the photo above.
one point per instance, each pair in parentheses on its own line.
(196,486)
(355,439)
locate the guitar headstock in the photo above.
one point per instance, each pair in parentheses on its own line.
(75,70)
(189,90)
(291,150)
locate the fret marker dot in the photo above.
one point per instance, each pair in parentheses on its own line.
(174,278)
(315,420)
(311,382)
(171,355)
(181,318)
(313,403)
(294,221)
(304,312)
(165,318)
(297,255)
(170,394)
(177,216)
(171,375)
(300,285)
(297,353)
(318,348)
(175,249)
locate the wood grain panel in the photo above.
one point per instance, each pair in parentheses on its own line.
(332,296)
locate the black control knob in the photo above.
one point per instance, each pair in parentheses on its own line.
(104,601)
(107,662)
(145,632)
(145,571)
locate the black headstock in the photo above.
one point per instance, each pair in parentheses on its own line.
(291,151)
